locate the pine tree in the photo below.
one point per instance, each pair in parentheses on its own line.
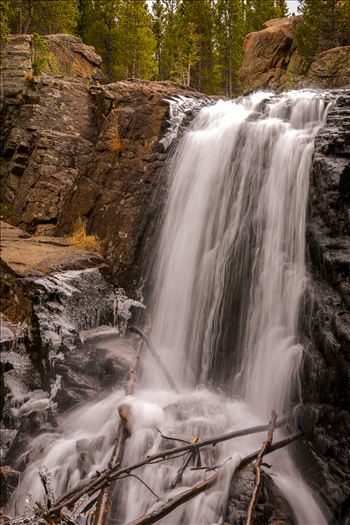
(229,34)
(170,38)
(325,25)
(257,12)
(42,17)
(98,27)
(136,40)
(282,8)
(158,24)
(5,13)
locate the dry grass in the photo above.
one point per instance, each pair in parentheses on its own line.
(113,140)
(81,239)
(29,76)
(13,312)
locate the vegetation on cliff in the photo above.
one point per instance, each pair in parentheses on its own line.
(197,43)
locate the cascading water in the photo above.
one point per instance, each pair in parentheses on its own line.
(231,267)
(227,286)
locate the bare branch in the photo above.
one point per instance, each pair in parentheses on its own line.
(111,474)
(258,474)
(156,357)
(174,502)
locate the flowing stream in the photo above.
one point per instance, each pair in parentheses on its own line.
(227,284)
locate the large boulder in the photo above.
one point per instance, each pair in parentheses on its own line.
(269,53)
(330,69)
(271,61)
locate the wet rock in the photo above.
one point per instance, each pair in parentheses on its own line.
(325,318)
(8,482)
(70,150)
(272,507)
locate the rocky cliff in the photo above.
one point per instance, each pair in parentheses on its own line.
(72,148)
(325,317)
(271,61)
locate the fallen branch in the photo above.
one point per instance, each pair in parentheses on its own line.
(104,500)
(156,357)
(257,468)
(176,501)
(172,503)
(105,478)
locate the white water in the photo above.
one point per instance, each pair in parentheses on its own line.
(228,282)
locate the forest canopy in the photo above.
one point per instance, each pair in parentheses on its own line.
(198,43)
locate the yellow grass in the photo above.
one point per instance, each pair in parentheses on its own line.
(81,239)
(113,140)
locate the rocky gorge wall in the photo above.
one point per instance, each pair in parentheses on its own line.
(73,148)
(325,317)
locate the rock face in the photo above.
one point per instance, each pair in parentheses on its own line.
(59,346)
(121,191)
(72,151)
(325,317)
(271,61)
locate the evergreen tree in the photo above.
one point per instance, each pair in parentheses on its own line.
(204,70)
(170,38)
(325,25)
(229,36)
(282,8)
(43,17)
(137,44)
(98,27)
(5,12)
(257,12)
(158,25)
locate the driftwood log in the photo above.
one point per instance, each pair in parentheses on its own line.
(112,473)
(172,503)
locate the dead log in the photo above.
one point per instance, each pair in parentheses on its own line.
(156,357)
(115,472)
(257,468)
(172,503)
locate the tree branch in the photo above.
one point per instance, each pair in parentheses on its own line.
(258,474)
(172,503)
(110,474)
(156,357)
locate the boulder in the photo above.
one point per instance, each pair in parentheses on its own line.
(268,54)
(271,61)
(330,69)
(73,58)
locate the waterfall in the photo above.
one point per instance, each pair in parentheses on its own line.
(231,268)
(231,263)
(227,284)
